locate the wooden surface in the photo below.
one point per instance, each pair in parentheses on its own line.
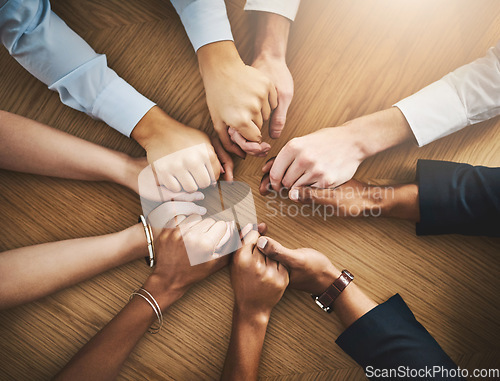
(348,58)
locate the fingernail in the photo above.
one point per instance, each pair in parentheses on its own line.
(199,196)
(294,194)
(203,210)
(261,243)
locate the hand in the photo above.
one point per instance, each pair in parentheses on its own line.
(238,96)
(326,158)
(276,69)
(258,283)
(182,157)
(355,199)
(173,273)
(310,271)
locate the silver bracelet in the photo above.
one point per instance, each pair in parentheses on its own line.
(154,305)
(149,239)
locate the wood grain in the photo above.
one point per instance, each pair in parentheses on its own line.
(348,58)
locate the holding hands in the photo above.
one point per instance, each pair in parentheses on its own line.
(240,98)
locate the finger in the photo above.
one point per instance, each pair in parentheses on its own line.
(265,185)
(275,251)
(160,216)
(250,131)
(258,257)
(224,158)
(266,111)
(203,225)
(187,181)
(189,222)
(305,180)
(218,234)
(230,231)
(258,119)
(167,195)
(228,144)
(246,229)
(269,163)
(262,228)
(170,182)
(284,159)
(278,118)
(293,173)
(201,175)
(273,96)
(253,148)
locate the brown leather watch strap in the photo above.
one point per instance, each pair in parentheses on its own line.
(327,298)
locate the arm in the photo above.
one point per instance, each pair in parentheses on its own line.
(272,26)
(32,147)
(447,198)
(329,157)
(458,198)
(102,357)
(45,46)
(29,273)
(377,336)
(468,95)
(258,285)
(239,97)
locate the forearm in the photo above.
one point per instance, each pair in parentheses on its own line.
(32,272)
(212,57)
(245,347)
(32,147)
(102,357)
(380,131)
(271,36)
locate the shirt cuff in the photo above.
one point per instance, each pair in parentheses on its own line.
(206,24)
(361,339)
(434,112)
(121,106)
(285,8)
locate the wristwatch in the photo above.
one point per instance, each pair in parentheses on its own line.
(327,298)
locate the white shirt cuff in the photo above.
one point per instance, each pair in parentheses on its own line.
(285,8)
(206,24)
(434,112)
(121,106)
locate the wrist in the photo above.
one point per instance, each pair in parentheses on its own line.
(380,131)
(217,56)
(271,37)
(258,317)
(165,294)
(152,124)
(134,241)
(402,202)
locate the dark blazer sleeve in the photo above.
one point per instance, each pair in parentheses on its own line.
(458,198)
(389,338)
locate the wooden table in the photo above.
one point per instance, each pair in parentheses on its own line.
(348,58)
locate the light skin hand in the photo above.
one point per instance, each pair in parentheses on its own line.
(312,272)
(238,95)
(271,41)
(183,157)
(329,157)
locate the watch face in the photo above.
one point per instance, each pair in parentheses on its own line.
(348,274)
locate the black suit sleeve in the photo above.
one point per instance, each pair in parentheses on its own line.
(458,198)
(389,339)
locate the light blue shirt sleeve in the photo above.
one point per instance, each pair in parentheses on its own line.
(206,21)
(45,46)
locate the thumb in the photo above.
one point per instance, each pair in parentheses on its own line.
(311,195)
(278,119)
(276,251)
